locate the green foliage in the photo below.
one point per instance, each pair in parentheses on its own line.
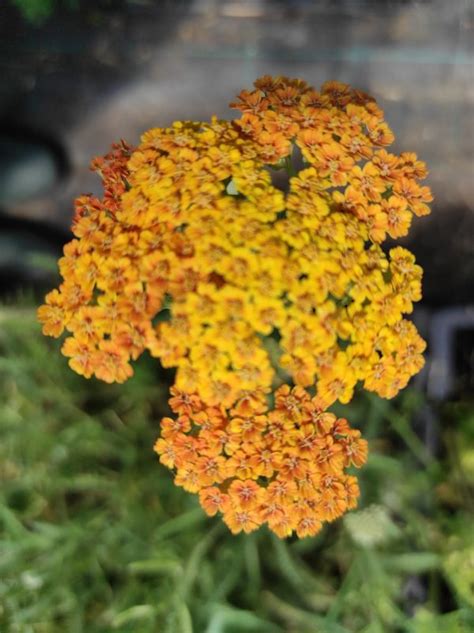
(37,11)
(95,538)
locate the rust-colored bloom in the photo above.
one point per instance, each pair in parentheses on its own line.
(260,477)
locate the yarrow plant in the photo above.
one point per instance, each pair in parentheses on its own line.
(272,303)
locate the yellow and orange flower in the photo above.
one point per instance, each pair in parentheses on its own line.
(256,282)
(268,467)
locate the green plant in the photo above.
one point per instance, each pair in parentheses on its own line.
(96,539)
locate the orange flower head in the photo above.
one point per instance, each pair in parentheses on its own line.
(244,254)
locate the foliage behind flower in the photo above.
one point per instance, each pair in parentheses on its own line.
(260,286)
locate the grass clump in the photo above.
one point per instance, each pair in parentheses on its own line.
(95,538)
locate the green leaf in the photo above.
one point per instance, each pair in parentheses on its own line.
(413,563)
(133,614)
(165,565)
(180,523)
(228,620)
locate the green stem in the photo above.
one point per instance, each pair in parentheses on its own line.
(290,168)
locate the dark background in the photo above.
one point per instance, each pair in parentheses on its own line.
(83,74)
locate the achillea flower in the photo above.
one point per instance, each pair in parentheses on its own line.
(255,281)
(283,466)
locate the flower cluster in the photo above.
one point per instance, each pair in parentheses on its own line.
(195,255)
(284,467)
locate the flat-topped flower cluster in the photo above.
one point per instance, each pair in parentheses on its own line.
(282,466)
(195,255)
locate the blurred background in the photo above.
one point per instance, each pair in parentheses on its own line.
(95,537)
